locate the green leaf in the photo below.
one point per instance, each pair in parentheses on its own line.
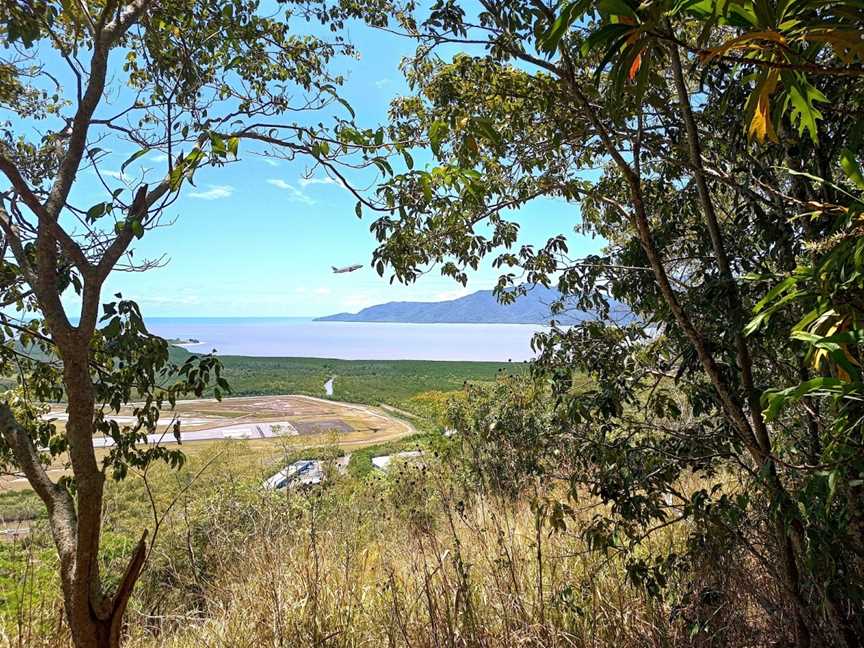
(383,165)
(133,157)
(754,324)
(549,41)
(320,149)
(347,106)
(437,132)
(409,161)
(487,130)
(850,165)
(617,8)
(217,144)
(233,145)
(775,401)
(802,97)
(775,292)
(97,211)
(611,33)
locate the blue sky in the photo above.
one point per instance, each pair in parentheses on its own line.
(259,237)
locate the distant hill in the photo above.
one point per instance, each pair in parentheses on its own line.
(479,307)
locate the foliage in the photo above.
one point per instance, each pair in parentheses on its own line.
(432,405)
(631,111)
(360,465)
(829,290)
(507,435)
(25,573)
(20,505)
(784,42)
(327,545)
(200,81)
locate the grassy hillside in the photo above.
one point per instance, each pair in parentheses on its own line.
(369,560)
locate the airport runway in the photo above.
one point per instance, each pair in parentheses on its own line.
(266,430)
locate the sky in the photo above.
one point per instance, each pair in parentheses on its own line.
(258,237)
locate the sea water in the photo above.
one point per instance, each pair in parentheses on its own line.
(302,337)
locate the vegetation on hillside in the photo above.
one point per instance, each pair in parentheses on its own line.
(702,486)
(533,307)
(454,545)
(716,147)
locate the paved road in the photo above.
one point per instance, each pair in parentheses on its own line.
(264,430)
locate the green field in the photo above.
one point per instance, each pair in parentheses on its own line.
(360,381)
(392,382)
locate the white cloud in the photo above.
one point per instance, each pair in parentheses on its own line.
(215,192)
(357,301)
(322,291)
(270,161)
(176,300)
(158,158)
(326,180)
(294,194)
(279,183)
(382,83)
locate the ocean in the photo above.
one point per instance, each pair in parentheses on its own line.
(303,337)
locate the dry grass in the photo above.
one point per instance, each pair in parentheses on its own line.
(401,562)
(405,560)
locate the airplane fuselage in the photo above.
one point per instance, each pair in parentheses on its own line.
(350,268)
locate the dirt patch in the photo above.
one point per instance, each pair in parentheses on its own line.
(325,425)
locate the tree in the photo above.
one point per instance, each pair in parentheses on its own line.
(633,111)
(198,78)
(504,431)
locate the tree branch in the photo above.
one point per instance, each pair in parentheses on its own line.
(60,508)
(67,242)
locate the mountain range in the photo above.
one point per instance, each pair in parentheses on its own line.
(476,308)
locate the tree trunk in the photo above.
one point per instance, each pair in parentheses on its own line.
(762,454)
(97,633)
(100,623)
(95,620)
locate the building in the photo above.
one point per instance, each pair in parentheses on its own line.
(383,463)
(300,473)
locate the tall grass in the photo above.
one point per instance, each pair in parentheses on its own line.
(396,568)
(407,559)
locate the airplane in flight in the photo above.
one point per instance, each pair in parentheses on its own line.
(350,268)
